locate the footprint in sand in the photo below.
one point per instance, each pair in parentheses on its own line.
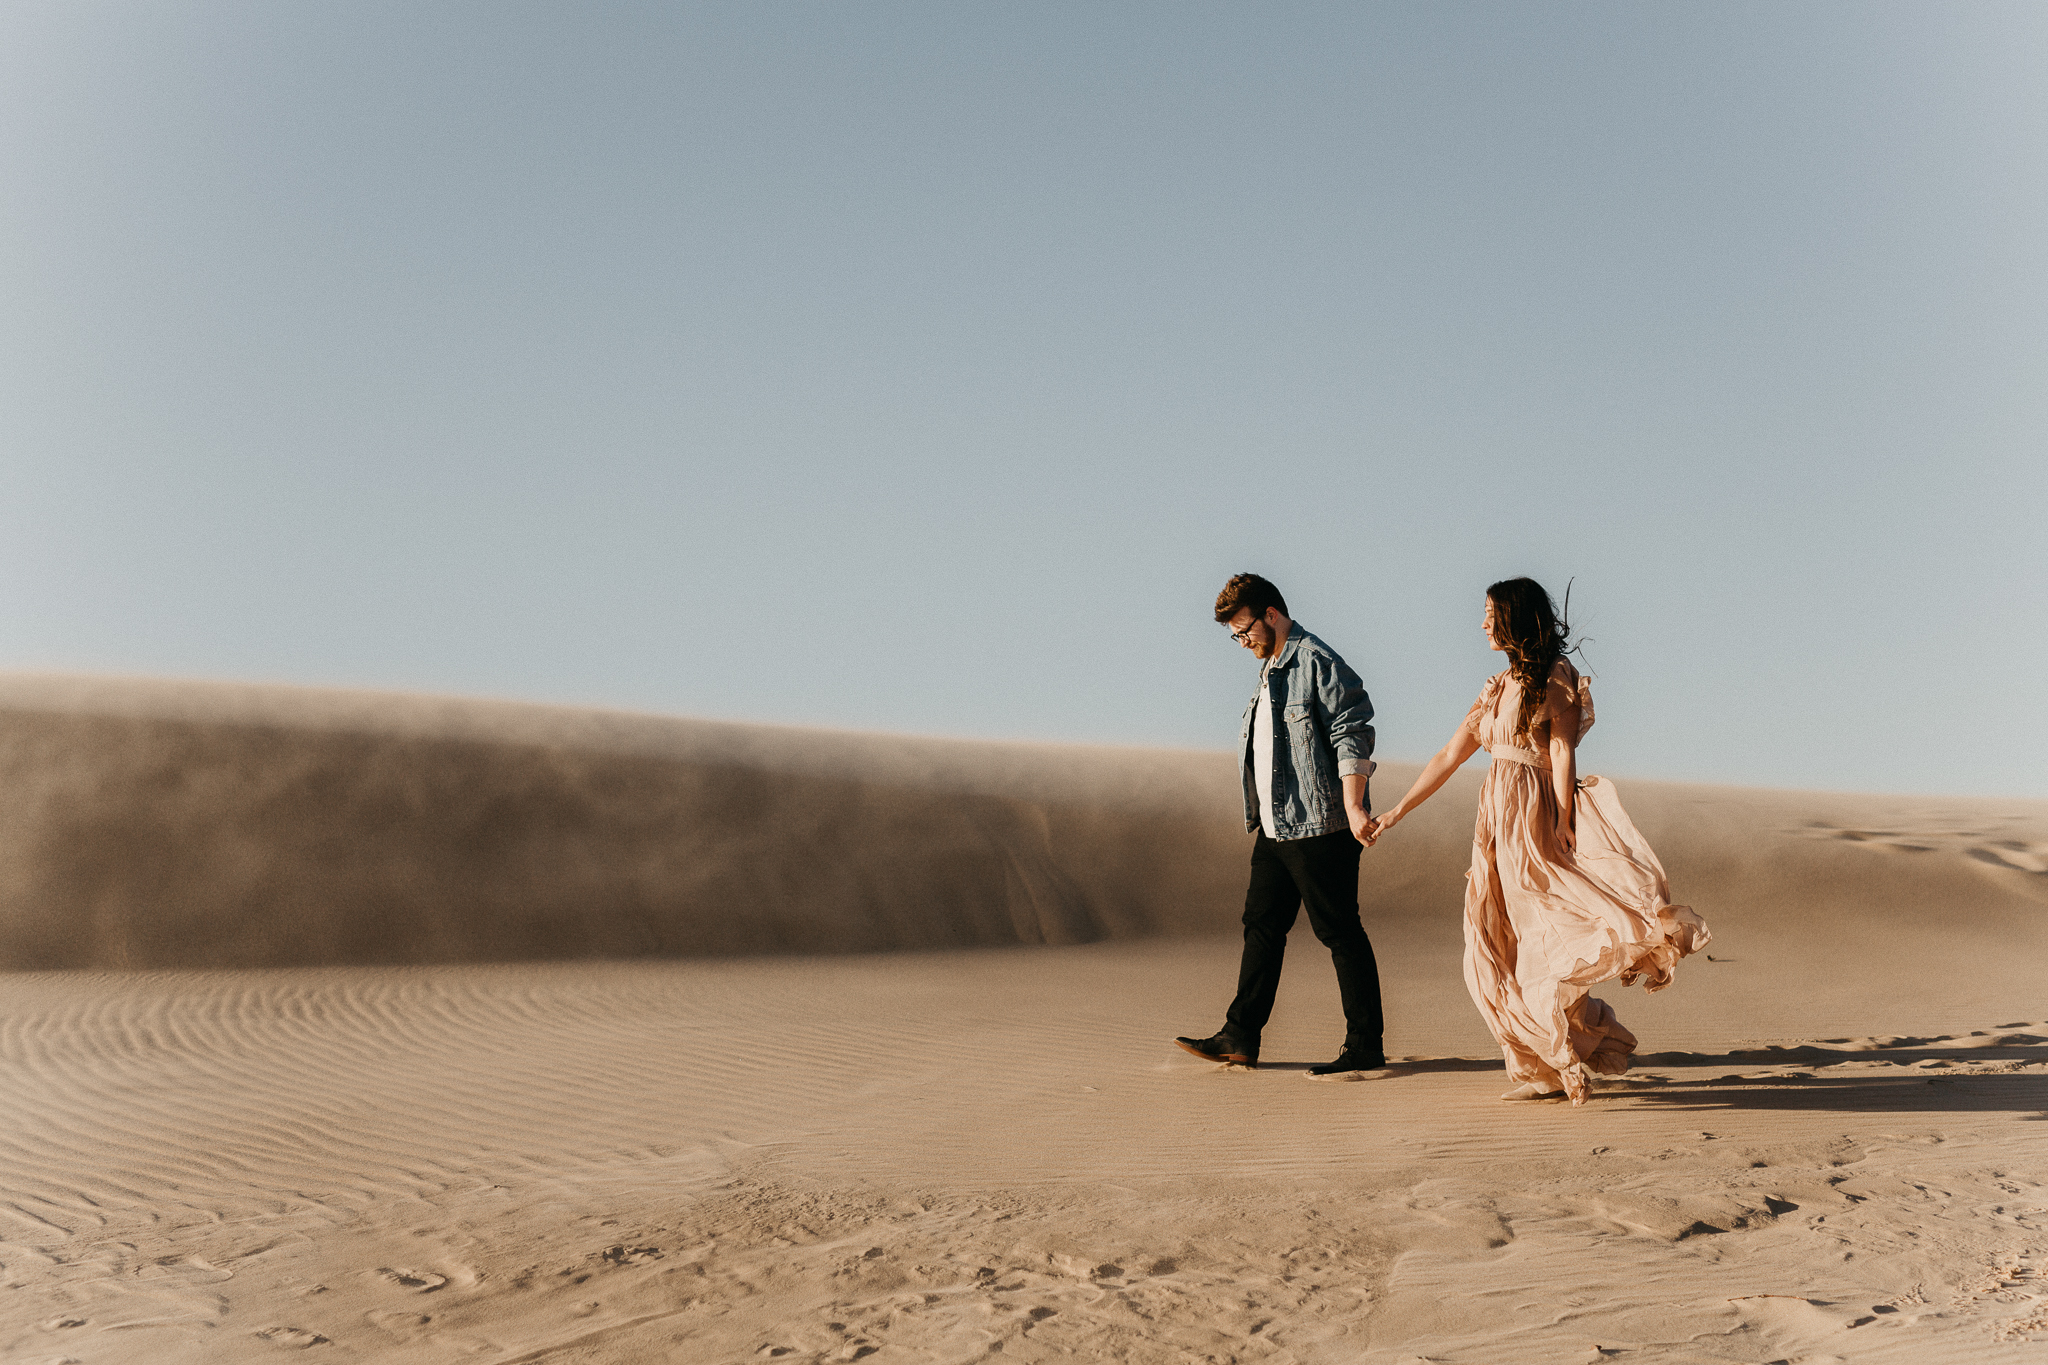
(292,1336)
(621,1254)
(419,1281)
(397,1320)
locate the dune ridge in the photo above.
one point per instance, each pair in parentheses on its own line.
(159,824)
(155,824)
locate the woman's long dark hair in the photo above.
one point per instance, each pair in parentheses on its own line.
(1534,635)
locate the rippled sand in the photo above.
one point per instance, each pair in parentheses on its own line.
(978,1141)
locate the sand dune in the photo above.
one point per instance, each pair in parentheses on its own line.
(866,1059)
(150,825)
(167,824)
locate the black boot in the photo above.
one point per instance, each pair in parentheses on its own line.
(1354,1057)
(1222,1048)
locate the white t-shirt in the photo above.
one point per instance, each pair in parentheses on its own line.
(1262,756)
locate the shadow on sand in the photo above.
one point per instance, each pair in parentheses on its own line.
(1405,1068)
(1980,1093)
(1908,1075)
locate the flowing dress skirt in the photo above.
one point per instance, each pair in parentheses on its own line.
(1543,926)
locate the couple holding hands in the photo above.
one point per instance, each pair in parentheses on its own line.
(1563,893)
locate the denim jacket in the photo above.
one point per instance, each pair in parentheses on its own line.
(1322,733)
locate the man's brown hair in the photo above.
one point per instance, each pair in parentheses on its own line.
(1248,590)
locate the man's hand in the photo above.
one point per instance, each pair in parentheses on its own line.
(1363,827)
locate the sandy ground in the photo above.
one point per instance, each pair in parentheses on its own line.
(1832,1148)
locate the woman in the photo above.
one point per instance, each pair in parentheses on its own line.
(1563,892)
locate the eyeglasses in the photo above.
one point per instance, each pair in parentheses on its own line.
(1242,636)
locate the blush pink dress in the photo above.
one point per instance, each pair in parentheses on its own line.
(1544,925)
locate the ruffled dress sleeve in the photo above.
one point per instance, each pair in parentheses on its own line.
(1573,693)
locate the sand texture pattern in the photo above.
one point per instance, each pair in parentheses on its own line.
(357,1028)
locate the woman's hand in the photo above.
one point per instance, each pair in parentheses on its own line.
(1567,838)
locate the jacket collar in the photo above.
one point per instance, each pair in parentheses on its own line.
(1287,651)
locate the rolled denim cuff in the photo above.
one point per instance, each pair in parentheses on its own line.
(1355,767)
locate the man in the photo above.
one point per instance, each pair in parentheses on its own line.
(1305,749)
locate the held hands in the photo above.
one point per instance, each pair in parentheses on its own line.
(1368,830)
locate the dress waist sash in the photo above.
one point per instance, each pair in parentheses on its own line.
(1515,755)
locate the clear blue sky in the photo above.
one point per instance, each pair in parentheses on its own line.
(928,367)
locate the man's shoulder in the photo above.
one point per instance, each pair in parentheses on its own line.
(1314,646)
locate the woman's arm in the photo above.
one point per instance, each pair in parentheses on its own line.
(1564,779)
(1564,762)
(1434,774)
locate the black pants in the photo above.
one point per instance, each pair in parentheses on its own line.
(1321,873)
